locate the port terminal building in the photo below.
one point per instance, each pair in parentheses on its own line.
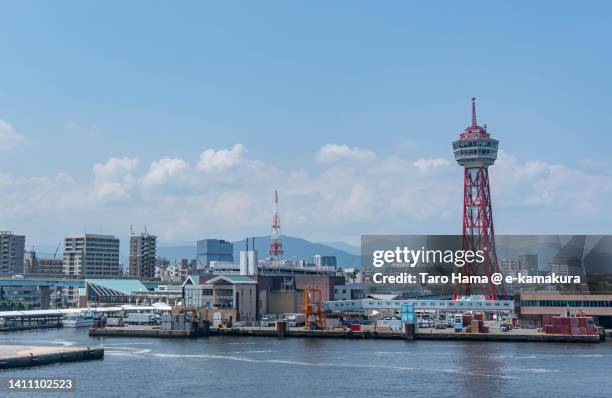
(535,307)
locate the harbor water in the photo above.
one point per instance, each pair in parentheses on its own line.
(270,367)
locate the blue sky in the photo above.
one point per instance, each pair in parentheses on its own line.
(83,83)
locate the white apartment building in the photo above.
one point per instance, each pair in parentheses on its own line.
(89,255)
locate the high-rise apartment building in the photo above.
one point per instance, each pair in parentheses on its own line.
(11,253)
(529,263)
(90,255)
(509,267)
(142,255)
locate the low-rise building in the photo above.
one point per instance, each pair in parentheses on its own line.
(325,261)
(109,291)
(351,291)
(37,265)
(533,307)
(238,292)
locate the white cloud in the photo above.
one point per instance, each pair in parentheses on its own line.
(9,137)
(115,168)
(164,170)
(429,164)
(223,159)
(333,153)
(551,187)
(113,180)
(182,202)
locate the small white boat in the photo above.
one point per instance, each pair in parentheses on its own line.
(79,319)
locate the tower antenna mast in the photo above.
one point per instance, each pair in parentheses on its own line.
(475,150)
(276,245)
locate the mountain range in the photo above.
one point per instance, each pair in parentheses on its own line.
(294,248)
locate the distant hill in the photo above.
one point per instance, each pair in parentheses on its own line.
(300,249)
(297,248)
(351,249)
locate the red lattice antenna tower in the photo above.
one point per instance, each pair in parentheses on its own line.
(276,246)
(476,151)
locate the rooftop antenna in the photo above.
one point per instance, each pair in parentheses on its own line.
(474,124)
(276,245)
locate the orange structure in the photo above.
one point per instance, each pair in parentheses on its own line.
(313,308)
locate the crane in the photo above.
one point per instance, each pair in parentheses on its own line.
(56,250)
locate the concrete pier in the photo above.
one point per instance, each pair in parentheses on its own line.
(409,331)
(405,335)
(15,356)
(282,331)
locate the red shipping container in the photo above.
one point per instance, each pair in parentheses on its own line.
(478,316)
(574,322)
(547,320)
(355,327)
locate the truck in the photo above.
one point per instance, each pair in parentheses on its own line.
(294,320)
(136,318)
(114,322)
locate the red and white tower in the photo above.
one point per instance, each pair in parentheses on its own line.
(276,246)
(476,151)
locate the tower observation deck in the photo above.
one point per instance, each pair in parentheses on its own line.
(475,150)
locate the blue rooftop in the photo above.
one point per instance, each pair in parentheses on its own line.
(126,286)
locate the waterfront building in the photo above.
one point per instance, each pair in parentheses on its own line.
(236,292)
(208,250)
(142,255)
(11,253)
(110,291)
(535,307)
